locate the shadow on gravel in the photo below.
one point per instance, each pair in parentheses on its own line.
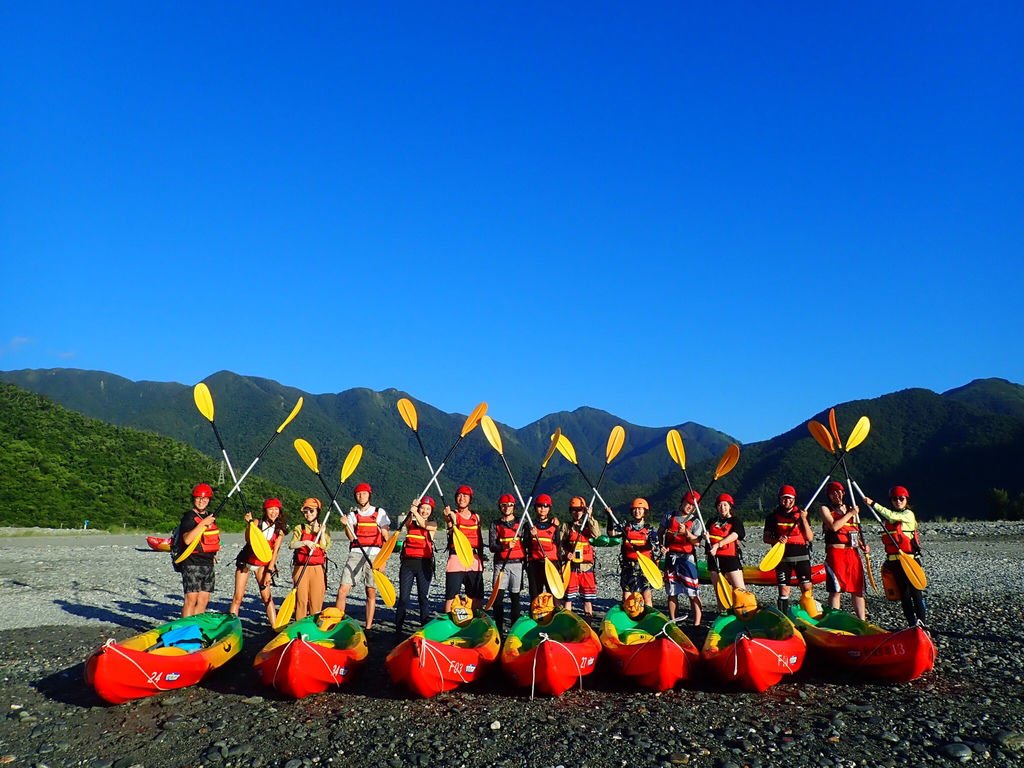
(135,614)
(69,687)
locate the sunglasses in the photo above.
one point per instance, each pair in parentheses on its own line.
(507,504)
(307,510)
(546,506)
(899,498)
(577,509)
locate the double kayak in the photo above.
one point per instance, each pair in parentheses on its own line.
(173,655)
(755,651)
(312,654)
(551,655)
(753,575)
(444,655)
(649,650)
(840,640)
(159,543)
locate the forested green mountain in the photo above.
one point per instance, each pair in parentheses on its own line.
(60,468)
(951,450)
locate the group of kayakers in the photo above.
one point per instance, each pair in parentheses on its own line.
(524,550)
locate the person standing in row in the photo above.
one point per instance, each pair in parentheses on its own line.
(273,527)
(844,571)
(638,538)
(680,533)
(788,523)
(197,576)
(417,560)
(458,576)
(507,543)
(901,536)
(543,545)
(310,551)
(367,527)
(725,532)
(574,536)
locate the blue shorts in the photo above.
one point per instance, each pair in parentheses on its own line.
(681,575)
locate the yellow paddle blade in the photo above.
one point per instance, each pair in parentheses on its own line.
(835,429)
(565,448)
(566,573)
(204,400)
(871,572)
(292,415)
(473,419)
(554,579)
(821,435)
(286,611)
(772,557)
(307,454)
(674,441)
(385,588)
(616,440)
(188,550)
(385,552)
(651,571)
(915,573)
(728,461)
(355,455)
(463,549)
(258,543)
(491,432)
(408,412)
(859,433)
(724,591)
(551,448)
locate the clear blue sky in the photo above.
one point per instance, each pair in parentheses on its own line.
(670,211)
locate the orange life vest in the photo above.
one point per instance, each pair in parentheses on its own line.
(272,541)
(543,546)
(720,529)
(471,527)
(418,543)
(635,541)
(581,550)
(788,524)
(846,535)
(210,539)
(903,542)
(511,545)
(315,556)
(368,533)
(675,534)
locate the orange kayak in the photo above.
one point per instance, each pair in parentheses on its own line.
(550,657)
(753,652)
(159,543)
(649,650)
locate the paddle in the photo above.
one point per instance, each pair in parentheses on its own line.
(384,586)
(287,609)
(674,441)
(408,412)
(555,581)
(525,516)
(649,568)
(254,535)
(616,439)
(204,401)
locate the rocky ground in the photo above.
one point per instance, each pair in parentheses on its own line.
(62,596)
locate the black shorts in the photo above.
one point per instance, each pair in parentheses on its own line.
(726,564)
(197,575)
(802,569)
(473,581)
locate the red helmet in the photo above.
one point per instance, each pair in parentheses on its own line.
(898,490)
(725,497)
(202,491)
(787,490)
(507,498)
(429,501)
(464,489)
(835,485)
(542,499)
(363,487)
(272,503)
(691,497)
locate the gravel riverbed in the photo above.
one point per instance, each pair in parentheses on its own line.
(62,595)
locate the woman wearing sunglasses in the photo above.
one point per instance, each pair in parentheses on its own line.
(901,536)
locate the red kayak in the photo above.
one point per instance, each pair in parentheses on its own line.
(649,650)
(173,655)
(313,654)
(444,655)
(159,543)
(753,575)
(839,640)
(755,651)
(551,656)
